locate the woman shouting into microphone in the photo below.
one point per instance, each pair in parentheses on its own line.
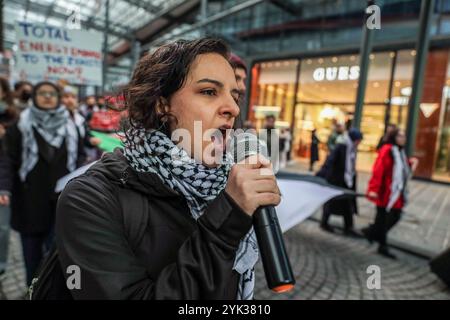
(154,220)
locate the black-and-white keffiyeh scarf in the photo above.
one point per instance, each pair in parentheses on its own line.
(400,175)
(54,126)
(153,151)
(79,121)
(350,161)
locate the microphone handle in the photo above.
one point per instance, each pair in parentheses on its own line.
(277,266)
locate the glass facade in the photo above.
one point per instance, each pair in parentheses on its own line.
(326,92)
(442,166)
(275,91)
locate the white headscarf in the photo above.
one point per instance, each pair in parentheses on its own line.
(54,126)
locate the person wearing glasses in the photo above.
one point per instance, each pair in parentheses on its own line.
(43,146)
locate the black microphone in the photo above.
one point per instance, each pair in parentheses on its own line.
(277,266)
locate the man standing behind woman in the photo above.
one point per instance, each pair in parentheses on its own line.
(388,188)
(40,148)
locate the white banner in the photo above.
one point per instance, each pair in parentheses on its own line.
(52,53)
(300,199)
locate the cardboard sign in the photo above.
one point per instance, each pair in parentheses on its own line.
(53,53)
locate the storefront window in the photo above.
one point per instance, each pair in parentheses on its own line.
(442,166)
(431,116)
(401,89)
(275,86)
(375,107)
(326,94)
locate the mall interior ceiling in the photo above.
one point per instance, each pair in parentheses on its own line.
(252,27)
(291,47)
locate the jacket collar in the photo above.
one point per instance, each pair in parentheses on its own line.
(115,166)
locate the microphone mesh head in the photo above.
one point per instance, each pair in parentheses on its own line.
(246,144)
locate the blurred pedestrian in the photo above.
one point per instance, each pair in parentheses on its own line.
(89,107)
(388,188)
(272,140)
(101,103)
(337,130)
(339,170)
(249,125)
(314,150)
(285,146)
(22,95)
(8,112)
(70,100)
(384,139)
(8,115)
(40,148)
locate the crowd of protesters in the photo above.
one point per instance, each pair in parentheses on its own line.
(44,135)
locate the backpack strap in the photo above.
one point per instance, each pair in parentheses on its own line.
(134,207)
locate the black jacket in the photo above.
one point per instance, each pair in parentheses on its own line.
(314,148)
(7,119)
(333,170)
(162,253)
(33,202)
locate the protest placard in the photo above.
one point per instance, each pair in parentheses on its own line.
(52,53)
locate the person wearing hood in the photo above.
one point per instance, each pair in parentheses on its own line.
(40,148)
(8,115)
(388,188)
(22,92)
(339,170)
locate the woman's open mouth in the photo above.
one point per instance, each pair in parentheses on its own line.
(220,138)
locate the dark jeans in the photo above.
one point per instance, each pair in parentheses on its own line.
(34,249)
(347,214)
(384,221)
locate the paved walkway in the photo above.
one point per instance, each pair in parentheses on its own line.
(326,266)
(12,283)
(425,226)
(331,266)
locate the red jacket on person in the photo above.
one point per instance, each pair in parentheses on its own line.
(381,179)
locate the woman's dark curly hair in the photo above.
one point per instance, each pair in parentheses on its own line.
(158,75)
